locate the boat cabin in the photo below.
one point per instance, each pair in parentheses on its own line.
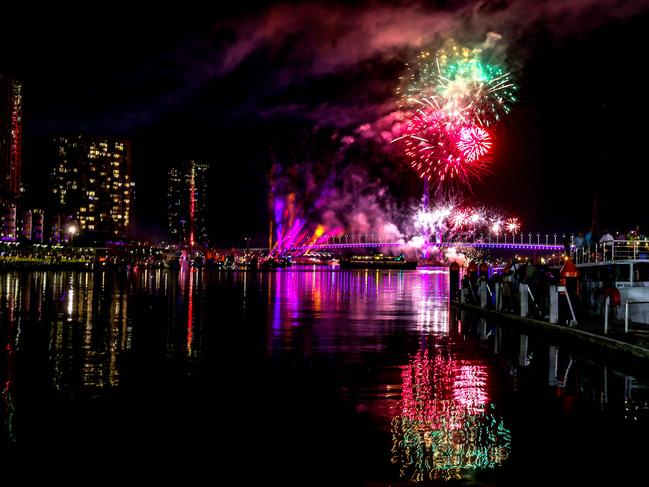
(621,264)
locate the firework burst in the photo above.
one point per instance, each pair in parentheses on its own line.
(455,221)
(444,146)
(449,98)
(474,143)
(513,226)
(459,78)
(496,226)
(486,90)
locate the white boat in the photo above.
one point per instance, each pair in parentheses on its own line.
(623,264)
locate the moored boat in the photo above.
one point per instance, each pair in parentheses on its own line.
(377,261)
(621,265)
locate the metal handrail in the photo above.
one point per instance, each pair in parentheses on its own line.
(626,312)
(610,251)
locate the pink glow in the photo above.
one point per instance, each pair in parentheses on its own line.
(437,392)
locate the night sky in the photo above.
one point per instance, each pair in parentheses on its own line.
(286,82)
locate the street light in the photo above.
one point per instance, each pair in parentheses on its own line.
(72,229)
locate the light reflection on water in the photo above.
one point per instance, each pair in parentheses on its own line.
(441,393)
(88,324)
(447,423)
(355,310)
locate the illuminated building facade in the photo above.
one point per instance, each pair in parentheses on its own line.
(11,109)
(57,224)
(32,227)
(91,181)
(187,204)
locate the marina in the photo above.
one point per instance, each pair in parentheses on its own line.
(395,243)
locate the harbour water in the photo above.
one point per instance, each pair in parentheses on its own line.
(303,377)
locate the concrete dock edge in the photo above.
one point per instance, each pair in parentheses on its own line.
(606,343)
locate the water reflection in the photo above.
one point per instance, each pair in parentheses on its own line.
(418,393)
(83,322)
(190,284)
(90,330)
(447,423)
(636,399)
(354,311)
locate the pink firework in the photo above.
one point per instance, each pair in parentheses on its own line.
(443,145)
(474,143)
(513,226)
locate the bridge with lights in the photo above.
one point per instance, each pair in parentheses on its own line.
(522,242)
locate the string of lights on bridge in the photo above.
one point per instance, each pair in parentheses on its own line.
(369,240)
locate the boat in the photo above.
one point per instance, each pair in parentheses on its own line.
(377,261)
(622,265)
(274,262)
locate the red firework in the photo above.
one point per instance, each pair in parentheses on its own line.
(443,145)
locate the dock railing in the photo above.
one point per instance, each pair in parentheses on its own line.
(611,251)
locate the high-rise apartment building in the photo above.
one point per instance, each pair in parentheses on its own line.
(187,203)
(11,110)
(92,182)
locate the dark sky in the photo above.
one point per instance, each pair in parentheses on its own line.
(226,88)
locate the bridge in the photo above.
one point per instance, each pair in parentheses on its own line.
(527,241)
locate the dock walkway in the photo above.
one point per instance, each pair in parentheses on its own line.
(633,345)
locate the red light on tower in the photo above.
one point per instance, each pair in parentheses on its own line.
(192,206)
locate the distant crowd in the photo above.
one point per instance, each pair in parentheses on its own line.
(534,272)
(591,237)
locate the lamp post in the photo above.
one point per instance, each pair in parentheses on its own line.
(72,229)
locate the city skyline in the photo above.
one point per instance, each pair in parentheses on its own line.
(402,242)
